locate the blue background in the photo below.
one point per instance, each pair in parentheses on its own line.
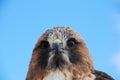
(22,22)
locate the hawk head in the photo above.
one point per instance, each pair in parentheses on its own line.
(58,49)
(61,47)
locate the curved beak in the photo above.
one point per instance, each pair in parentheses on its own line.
(57,44)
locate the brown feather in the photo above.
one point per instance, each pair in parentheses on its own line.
(82,67)
(102,76)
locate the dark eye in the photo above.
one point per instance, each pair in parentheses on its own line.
(44,44)
(72,43)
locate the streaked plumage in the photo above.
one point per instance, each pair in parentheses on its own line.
(61,54)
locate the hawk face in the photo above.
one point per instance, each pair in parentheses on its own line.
(59,48)
(58,51)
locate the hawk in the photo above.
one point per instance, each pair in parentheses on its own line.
(61,54)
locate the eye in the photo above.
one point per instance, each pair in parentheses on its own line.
(72,43)
(44,44)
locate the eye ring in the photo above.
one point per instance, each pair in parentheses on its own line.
(72,43)
(44,44)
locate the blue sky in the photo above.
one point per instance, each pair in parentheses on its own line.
(22,22)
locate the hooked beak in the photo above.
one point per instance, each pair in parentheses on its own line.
(57,44)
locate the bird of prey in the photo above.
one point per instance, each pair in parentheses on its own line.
(61,54)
